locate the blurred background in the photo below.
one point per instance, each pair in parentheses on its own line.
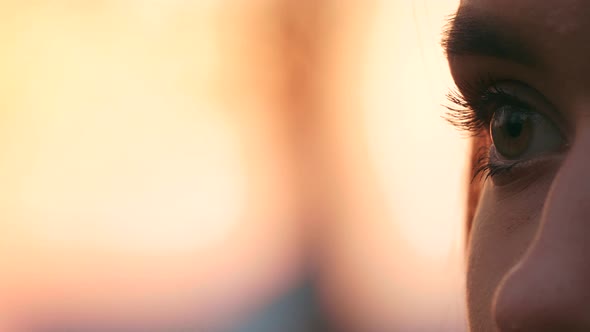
(228,166)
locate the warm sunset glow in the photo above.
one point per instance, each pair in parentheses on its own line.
(404,94)
(419,159)
(190,160)
(397,263)
(142,162)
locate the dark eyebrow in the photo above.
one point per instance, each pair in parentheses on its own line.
(473,33)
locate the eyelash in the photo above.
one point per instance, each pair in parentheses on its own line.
(484,168)
(471,110)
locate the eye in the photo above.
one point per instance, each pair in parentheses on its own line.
(521,134)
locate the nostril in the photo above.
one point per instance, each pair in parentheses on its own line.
(522,303)
(508,307)
(512,307)
(527,300)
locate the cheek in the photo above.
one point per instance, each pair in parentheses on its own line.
(504,225)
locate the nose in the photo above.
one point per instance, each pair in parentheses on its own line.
(549,289)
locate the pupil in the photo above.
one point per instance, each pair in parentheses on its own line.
(514,126)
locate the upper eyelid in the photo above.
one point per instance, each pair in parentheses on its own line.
(521,95)
(500,98)
(495,92)
(473,105)
(471,111)
(537,102)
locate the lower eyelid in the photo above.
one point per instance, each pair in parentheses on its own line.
(523,164)
(495,158)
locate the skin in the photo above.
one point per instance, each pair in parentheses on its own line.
(528,247)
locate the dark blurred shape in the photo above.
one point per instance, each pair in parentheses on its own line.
(296,311)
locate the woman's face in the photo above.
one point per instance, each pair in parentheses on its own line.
(523,78)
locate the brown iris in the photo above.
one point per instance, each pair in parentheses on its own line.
(511,132)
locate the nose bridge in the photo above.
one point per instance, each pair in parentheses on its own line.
(549,289)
